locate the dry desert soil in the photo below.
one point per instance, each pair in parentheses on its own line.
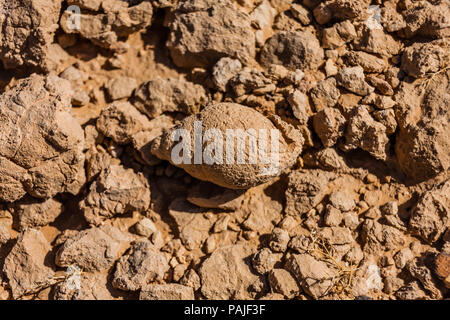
(93,205)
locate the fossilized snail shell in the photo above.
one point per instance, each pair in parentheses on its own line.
(223,117)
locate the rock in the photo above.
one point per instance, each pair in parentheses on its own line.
(431,215)
(378,237)
(93,5)
(326,159)
(380,85)
(329,125)
(306,189)
(353,80)
(223,71)
(263,15)
(191,279)
(333,217)
(339,10)
(342,200)
(427,19)
(226,275)
(94,249)
(338,35)
(5,234)
(301,13)
(145,227)
(279,240)
(42,144)
(423,274)
(27,29)
(227,171)
(106,29)
(374,40)
(325,94)
(25,266)
(386,118)
(192,224)
(159,95)
(262,213)
(300,106)
(36,213)
(170,291)
(369,62)
(142,265)
(116,191)
(83,286)
(249,81)
(121,121)
(208,195)
(422,143)
(366,133)
(442,265)
(293,50)
(282,282)
(120,87)
(314,276)
(402,257)
(411,291)
(421,59)
(202,32)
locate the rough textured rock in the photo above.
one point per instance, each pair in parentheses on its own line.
(121,121)
(325,94)
(36,213)
(282,282)
(224,116)
(294,50)
(224,70)
(116,191)
(329,126)
(204,31)
(422,144)
(105,29)
(339,9)
(25,266)
(193,226)
(94,249)
(353,80)
(142,265)
(170,291)
(83,286)
(366,133)
(27,29)
(40,143)
(422,59)
(427,19)
(431,215)
(169,95)
(120,87)
(306,190)
(226,274)
(314,276)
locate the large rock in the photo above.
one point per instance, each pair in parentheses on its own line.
(314,276)
(431,216)
(41,144)
(116,191)
(423,142)
(105,29)
(294,50)
(26,266)
(204,31)
(226,273)
(142,265)
(26,33)
(94,249)
(160,95)
(225,167)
